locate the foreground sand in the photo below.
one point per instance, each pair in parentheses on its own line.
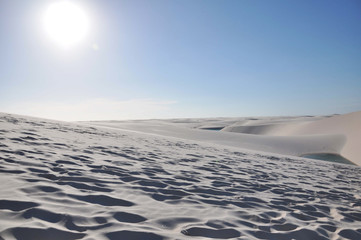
(70,181)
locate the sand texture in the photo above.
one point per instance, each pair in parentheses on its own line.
(348,125)
(296,136)
(64,181)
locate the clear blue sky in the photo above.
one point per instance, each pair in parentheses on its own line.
(185,58)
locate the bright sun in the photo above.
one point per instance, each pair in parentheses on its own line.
(65,23)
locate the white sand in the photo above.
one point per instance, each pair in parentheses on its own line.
(71,181)
(348,125)
(294,136)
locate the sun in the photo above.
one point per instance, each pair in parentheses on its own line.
(66,23)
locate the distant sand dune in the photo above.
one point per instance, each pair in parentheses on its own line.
(348,125)
(295,136)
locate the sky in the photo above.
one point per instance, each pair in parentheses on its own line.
(184,58)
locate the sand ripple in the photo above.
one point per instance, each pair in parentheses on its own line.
(67,181)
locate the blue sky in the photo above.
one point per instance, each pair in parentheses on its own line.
(189,58)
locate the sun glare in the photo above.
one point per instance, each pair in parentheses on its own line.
(65,23)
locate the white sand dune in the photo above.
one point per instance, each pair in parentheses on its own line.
(286,141)
(73,181)
(348,125)
(269,126)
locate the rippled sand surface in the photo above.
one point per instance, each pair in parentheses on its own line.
(70,181)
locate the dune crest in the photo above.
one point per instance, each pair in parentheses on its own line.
(348,125)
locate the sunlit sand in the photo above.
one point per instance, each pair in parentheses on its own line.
(169,179)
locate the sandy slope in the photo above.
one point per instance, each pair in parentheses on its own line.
(297,136)
(290,145)
(70,181)
(348,125)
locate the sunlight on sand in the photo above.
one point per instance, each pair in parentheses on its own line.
(76,181)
